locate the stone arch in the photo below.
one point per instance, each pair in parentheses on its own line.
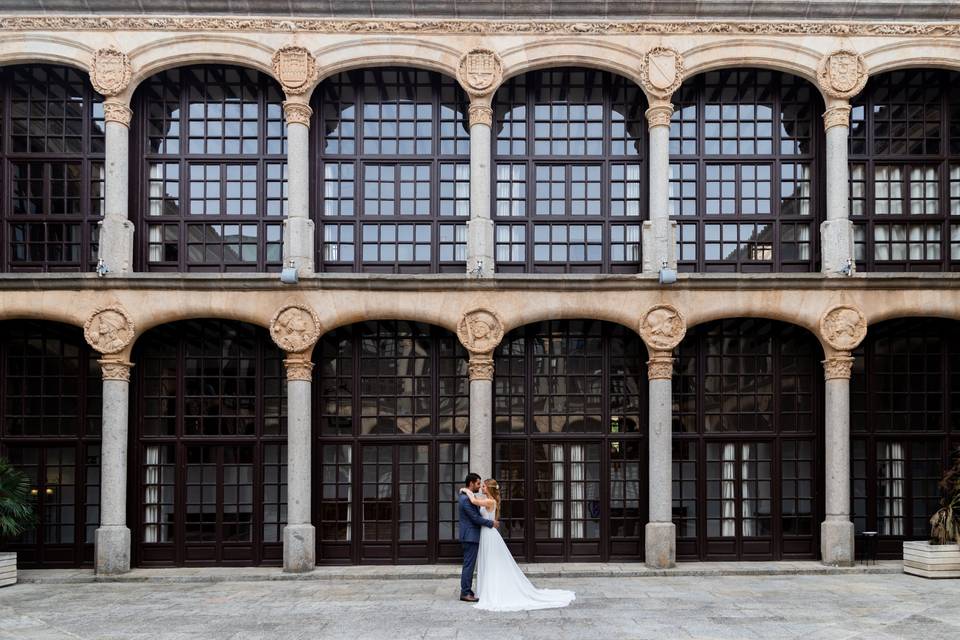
(49,49)
(781,55)
(573,52)
(403,52)
(936,52)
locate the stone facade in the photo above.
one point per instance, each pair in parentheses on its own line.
(115,310)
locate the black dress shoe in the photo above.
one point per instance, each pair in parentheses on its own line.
(469,598)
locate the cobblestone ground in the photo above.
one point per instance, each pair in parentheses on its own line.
(877,607)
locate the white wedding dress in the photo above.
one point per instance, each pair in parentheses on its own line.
(501,585)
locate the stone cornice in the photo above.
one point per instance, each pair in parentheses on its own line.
(839,28)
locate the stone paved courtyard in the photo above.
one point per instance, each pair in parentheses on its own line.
(877,607)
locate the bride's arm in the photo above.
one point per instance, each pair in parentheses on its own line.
(480,502)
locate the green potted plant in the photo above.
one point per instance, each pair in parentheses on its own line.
(16,515)
(939,557)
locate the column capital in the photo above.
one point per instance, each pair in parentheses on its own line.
(837,115)
(480,113)
(480,366)
(299,367)
(660,366)
(115,369)
(297,111)
(838,366)
(115,111)
(659,114)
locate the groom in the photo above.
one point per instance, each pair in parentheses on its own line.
(470,523)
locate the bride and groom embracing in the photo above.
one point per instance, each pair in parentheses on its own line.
(501,585)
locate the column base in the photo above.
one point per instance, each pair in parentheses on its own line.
(111,550)
(298,234)
(658,240)
(299,548)
(116,245)
(836,247)
(480,241)
(660,545)
(836,543)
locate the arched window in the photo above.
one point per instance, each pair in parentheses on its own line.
(905,171)
(746,445)
(50,404)
(393,416)
(52,161)
(394,172)
(570,416)
(570,173)
(211,447)
(744,173)
(905,408)
(212,179)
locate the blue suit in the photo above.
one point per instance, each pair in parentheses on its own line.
(470,523)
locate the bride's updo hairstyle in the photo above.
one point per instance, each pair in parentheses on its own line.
(493,490)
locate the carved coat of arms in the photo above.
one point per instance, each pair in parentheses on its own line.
(110,71)
(480,71)
(294,68)
(662,71)
(842,74)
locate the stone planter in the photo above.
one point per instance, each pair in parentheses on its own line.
(920,558)
(8,569)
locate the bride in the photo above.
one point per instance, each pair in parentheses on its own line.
(501,585)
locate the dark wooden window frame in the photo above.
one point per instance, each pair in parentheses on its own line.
(862,148)
(775,160)
(52,227)
(360,219)
(268,230)
(606,83)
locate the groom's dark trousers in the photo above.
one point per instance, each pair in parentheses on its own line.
(470,523)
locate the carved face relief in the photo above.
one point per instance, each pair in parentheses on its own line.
(480,71)
(109,330)
(295,328)
(843,327)
(294,68)
(663,327)
(110,71)
(480,331)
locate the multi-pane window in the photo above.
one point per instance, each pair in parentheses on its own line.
(569,186)
(904,407)
(905,171)
(213,180)
(211,444)
(743,176)
(394,172)
(52,169)
(746,400)
(50,405)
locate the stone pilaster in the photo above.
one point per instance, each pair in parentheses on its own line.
(298,228)
(836,232)
(295,328)
(480,331)
(662,329)
(112,537)
(659,231)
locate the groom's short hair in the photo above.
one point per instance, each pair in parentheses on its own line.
(471,477)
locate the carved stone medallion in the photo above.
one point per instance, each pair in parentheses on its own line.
(662,71)
(480,331)
(843,327)
(663,327)
(295,328)
(480,71)
(842,74)
(295,69)
(109,330)
(110,71)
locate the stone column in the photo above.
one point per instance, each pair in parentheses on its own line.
(480,331)
(659,231)
(295,328)
(480,239)
(662,329)
(481,413)
(295,69)
(110,74)
(479,73)
(842,328)
(841,75)
(836,232)
(298,228)
(110,331)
